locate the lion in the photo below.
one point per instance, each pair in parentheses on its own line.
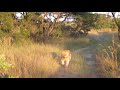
(65,57)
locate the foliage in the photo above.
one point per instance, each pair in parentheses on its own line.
(6,21)
(103,22)
(108,59)
(4,65)
(35,27)
(84,22)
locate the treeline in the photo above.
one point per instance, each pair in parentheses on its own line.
(39,26)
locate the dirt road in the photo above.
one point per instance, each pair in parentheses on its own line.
(90,58)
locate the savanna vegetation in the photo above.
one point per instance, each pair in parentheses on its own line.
(30,45)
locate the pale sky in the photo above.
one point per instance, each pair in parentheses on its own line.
(107,13)
(19,15)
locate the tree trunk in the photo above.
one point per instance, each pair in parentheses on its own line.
(113,14)
(119,34)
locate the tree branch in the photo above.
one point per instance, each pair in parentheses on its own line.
(113,14)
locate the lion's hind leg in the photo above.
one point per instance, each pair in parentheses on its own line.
(67,63)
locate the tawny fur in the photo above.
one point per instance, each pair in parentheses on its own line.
(65,57)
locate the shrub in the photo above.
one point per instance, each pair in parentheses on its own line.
(4,65)
(108,59)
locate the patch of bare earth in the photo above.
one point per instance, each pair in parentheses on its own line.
(91,62)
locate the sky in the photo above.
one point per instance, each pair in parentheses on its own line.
(18,15)
(109,13)
(52,18)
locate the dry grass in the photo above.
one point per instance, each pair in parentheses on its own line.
(72,43)
(107,58)
(32,61)
(96,32)
(42,61)
(78,67)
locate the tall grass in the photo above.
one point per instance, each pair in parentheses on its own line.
(32,60)
(74,43)
(108,59)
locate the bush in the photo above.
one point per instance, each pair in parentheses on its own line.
(7,22)
(57,33)
(4,65)
(108,59)
(2,34)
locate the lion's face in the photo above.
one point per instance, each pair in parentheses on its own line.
(65,54)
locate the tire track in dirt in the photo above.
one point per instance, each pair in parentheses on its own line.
(91,62)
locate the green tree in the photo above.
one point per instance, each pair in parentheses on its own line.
(102,21)
(6,22)
(117,22)
(84,22)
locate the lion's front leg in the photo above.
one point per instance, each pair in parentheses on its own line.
(62,62)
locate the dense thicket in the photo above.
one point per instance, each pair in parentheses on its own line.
(35,26)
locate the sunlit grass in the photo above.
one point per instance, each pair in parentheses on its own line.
(74,43)
(108,59)
(78,66)
(32,60)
